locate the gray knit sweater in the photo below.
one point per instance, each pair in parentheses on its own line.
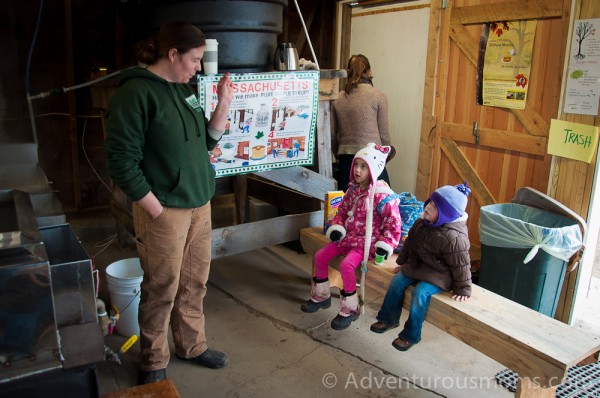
(359,118)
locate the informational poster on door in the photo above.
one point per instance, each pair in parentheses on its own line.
(505,70)
(583,78)
(271,123)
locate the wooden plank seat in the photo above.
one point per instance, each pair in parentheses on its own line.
(539,348)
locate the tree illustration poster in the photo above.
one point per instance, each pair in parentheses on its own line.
(271,122)
(507,63)
(583,78)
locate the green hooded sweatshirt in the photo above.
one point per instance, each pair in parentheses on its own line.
(157,141)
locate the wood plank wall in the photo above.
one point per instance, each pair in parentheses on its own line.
(509,155)
(512,148)
(571,182)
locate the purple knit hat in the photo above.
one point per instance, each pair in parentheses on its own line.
(451,202)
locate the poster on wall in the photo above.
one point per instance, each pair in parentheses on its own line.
(271,123)
(583,77)
(505,63)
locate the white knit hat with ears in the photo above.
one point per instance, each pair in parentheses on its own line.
(374,156)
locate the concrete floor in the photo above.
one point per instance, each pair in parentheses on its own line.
(253,314)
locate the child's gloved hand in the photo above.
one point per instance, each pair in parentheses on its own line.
(382,252)
(335,236)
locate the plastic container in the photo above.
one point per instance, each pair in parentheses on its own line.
(526,247)
(124,278)
(210,59)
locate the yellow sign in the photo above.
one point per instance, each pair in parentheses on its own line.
(572,140)
(507,63)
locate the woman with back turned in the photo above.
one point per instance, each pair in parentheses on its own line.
(360,116)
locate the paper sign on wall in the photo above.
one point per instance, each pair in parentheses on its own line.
(504,64)
(271,123)
(583,79)
(572,140)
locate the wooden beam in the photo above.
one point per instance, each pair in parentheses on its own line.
(465,169)
(465,41)
(434,104)
(163,388)
(375,3)
(507,11)
(288,200)
(518,142)
(526,388)
(301,179)
(346,21)
(323,140)
(242,203)
(242,238)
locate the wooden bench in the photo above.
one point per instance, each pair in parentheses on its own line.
(539,348)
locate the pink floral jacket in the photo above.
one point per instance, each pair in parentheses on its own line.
(351,219)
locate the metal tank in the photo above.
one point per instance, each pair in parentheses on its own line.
(246,30)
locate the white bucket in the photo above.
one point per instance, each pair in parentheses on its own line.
(124,279)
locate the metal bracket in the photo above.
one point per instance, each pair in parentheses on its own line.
(475,133)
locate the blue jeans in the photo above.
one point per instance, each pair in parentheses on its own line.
(392,305)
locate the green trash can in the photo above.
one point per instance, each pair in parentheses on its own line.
(525,249)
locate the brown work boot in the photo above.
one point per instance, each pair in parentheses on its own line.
(210,358)
(381,327)
(401,344)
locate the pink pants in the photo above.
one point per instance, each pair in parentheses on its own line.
(348,265)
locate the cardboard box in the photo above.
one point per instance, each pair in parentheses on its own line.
(333,200)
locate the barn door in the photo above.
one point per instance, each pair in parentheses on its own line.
(507,151)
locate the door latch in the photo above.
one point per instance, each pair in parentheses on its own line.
(475,133)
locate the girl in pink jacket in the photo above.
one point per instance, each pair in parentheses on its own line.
(366,220)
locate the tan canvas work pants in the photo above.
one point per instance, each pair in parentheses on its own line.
(175,252)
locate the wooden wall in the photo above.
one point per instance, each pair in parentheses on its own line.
(571,180)
(511,150)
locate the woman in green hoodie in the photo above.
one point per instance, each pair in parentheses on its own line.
(157,152)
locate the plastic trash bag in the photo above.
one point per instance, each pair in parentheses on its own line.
(518,226)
